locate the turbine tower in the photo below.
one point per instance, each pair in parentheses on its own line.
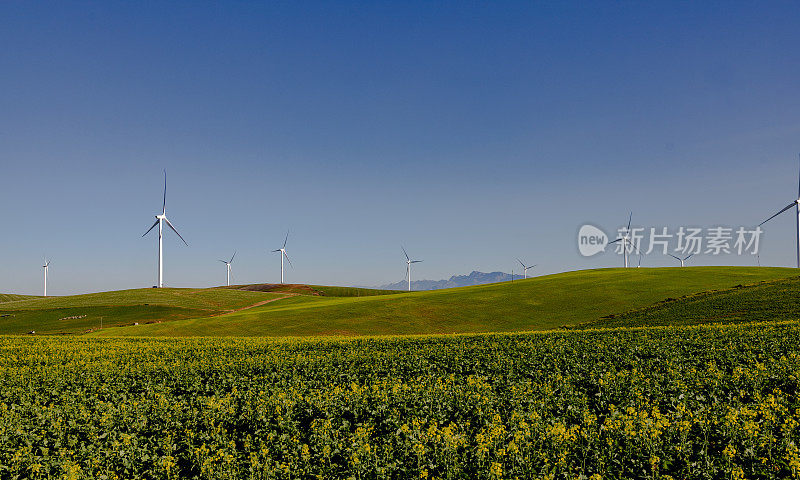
(45,266)
(682,260)
(408,266)
(160,219)
(525,268)
(624,239)
(283,254)
(228,267)
(796,204)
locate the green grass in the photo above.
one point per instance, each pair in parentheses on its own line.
(330,291)
(316,290)
(539,303)
(763,302)
(79,313)
(10,297)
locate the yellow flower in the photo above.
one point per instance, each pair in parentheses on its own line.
(496,470)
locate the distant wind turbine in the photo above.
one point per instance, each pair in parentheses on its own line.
(525,268)
(160,219)
(45,266)
(283,254)
(796,204)
(408,266)
(624,239)
(682,260)
(228,267)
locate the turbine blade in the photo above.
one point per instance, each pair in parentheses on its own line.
(148,230)
(520,262)
(234,254)
(286,239)
(798,184)
(223,261)
(787,207)
(416,261)
(673,256)
(287,259)
(629,221)
(615,241)
(164,206)
(405,253)
(690,256)
(176,232)
(273,251)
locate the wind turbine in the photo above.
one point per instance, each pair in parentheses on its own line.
(228,267)
(408,267)
(525,268)
(682,260)
(160,219)
(45,266)
(283,254)
(796,204)
(624,239)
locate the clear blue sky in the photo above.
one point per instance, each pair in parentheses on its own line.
(472,133)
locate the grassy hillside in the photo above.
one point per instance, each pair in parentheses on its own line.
(79,313)
(318,290)
(538,303)
(10,297)
(769,301)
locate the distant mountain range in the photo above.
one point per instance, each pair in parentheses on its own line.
(474,278)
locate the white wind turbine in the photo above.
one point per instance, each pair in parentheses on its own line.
(160,219)
(408,266)
(45,266)
(283,254)
(525,268)
(682,260)
(796,204)
(625,241)
(228,268)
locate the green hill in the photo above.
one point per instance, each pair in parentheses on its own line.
(535,304)
(10,297)
(82,313)
(761,302)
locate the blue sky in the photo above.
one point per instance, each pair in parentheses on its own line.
(472,133)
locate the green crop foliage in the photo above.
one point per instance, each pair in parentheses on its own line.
(690,402)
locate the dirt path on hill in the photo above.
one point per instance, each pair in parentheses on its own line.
(258,304)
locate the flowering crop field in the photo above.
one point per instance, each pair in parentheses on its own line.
(685,402)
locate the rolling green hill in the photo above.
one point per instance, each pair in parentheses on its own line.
(81,313)
(535,304)
(763,302)
(317,290)
(10,297)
